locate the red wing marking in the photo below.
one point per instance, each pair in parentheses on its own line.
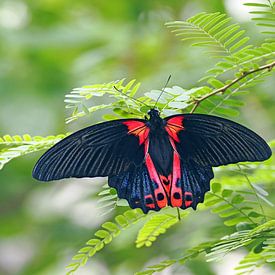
(167,189)
(166,183)
(149,201)
(176,192)
(173,126)
(137,128)
(188,198)
(166,186)
(159,192)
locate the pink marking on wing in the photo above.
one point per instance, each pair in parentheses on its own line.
(159,192)
(137,128)
(173,126)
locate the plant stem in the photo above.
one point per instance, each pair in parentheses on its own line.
(233,205)
(255,192)
(178,211)
(221,90)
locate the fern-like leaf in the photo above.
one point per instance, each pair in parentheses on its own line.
(78,99)
(104,236)
(264,15)
(16,146)
(156,225)
(157,267)
(234,206)
(109,200)
(249,263)
(227,103)
(211,30)
(216,250)
(239,239)
(243,60)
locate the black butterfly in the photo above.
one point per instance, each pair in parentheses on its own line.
(153,162)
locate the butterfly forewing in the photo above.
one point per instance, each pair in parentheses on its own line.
(214,141)
(104,149)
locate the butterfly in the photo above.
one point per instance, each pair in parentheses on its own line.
(153,162)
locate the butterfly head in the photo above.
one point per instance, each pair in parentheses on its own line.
(153,113)
(155,119)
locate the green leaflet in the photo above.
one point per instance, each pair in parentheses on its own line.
(216,250)
(155,226)
(80,100)
(264,15)
(16,146)
(211,30)
(238,206)
(104,236)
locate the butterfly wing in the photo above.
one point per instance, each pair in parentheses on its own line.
(197,143)
(194,182)
(202,142)
(137,188)
(214,141)
(104,149)
(145,189)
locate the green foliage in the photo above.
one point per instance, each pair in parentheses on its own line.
(249,263)
(233,206)
(124,106)
(156,225)
(216,250)
(211,30)
(108,199)
(264,15)
(104,236)
(227,103)
(226,41)
(238,206)
(171,102)
(16,146)
(245,59)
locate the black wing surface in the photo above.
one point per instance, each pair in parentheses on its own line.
(137,188)
(215,141)
(142,191)
(104,149)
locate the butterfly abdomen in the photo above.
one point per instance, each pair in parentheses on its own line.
(161,152)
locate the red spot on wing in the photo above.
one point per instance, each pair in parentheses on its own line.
(188,198)
(173,126)
(149,201)
(137,128)
(166,183)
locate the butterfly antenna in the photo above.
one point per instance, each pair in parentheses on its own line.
(162,91)
(132,98)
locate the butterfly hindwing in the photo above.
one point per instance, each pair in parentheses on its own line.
(195,182)
(104,149)
(137,188)
(141,190)
(214,141)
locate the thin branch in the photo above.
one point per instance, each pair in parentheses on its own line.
(233,206)
(178,212)
(255,192)
(221,90)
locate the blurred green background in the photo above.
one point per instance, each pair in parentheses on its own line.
(47,48)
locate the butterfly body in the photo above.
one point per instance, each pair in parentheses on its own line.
(154,162)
